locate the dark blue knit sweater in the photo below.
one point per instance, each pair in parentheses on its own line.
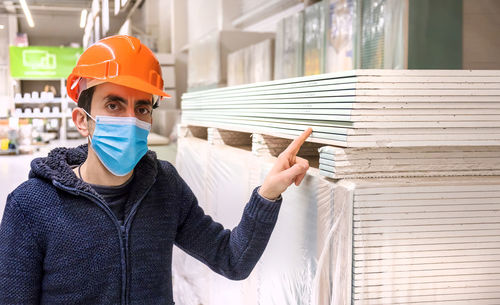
(61,244)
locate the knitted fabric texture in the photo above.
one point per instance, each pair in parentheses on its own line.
(59,244)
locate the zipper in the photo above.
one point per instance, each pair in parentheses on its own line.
(127,223)
(120,228)
(123,230)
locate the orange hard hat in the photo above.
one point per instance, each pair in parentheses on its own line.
(121,60)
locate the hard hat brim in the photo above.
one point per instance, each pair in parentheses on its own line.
(138,84)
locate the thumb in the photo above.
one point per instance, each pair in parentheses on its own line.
(289,175)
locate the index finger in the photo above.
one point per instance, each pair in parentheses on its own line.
(294,147)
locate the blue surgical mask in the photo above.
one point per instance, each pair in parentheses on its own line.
(120,142)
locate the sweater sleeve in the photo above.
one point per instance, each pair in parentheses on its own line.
(20,259)
(231,253)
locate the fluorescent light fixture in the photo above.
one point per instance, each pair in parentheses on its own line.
(83,18)
(27,13)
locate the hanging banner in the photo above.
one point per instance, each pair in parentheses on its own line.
(39,62)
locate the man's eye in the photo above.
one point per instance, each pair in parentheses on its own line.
(112,106)
(144,111)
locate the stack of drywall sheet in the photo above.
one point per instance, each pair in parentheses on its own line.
(338,163)
(425,241)
(362,108)
(428,240)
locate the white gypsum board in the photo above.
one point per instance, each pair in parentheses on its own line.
(477,298)
(396,274)
(426,273)
(318,135)
(406,185)
(377,73)
(341,111)
(331,115)
(329,108)
(457,169)
(433,285)
(258,100)
(443,160)
(366,82)
(289,134)
(343,96)
(416,158)
(429,98)
(473,186)
(437,193)
(425,137)
(404,150)
(369,89)
(421,131)
(427,202)
(426,254)
(414,295)
(239,119)
(412,174)
(325,104)
(491,211)
(327,168)
(410,282)
(334,86)
(295,127)
(346,96)
(409,237)
(427,267)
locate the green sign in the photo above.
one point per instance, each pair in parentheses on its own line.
(42,62)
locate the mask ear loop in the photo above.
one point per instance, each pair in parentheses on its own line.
(88,114)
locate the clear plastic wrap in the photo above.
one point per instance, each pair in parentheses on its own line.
(296,267)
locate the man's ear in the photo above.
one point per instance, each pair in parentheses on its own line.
(80,119)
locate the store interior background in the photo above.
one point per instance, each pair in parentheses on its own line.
(205,44)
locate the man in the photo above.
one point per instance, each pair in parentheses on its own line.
(96,224)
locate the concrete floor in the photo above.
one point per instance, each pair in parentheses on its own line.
(15,169)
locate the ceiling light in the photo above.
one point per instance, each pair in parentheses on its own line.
(83,18)
(27,13)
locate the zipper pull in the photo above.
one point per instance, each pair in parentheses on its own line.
(122,229)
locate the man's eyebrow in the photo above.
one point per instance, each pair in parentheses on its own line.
(144,102)
(116,98)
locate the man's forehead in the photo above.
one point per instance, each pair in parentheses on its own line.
(117,92)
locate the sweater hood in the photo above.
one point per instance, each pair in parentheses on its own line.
(57,167)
